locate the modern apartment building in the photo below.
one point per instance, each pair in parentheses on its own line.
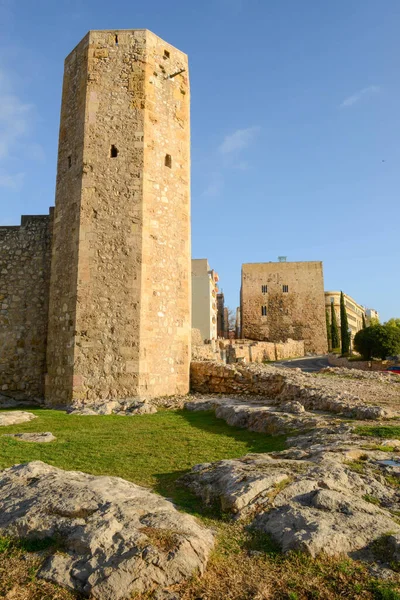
(204,298)
(354,310)
(371,315)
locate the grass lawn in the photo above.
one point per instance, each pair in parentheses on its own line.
(382,431)
(154,450)
(150,450)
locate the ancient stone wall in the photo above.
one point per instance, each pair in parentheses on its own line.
(62,331)
(362,365)
(279,386)
(250,351)
(202,351)
(24,289)
(119,322)
(281,301)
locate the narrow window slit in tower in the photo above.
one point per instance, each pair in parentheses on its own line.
(114,151)
(166,54)
(168,161)
(116,40)
(69,162)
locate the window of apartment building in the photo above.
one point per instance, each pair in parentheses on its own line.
(285,288)
(264,289)
(263,311)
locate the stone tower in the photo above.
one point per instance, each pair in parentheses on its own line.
(119,310)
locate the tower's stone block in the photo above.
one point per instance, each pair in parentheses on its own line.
(119,315)
(282,301)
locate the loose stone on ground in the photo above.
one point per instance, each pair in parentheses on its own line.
(115,407)
(38,438)
(15,417)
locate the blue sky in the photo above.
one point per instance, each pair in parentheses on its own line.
(295,127)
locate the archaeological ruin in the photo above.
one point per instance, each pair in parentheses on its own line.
(95,298)
(283,301)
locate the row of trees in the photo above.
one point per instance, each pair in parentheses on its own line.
(335,339)
(375,341)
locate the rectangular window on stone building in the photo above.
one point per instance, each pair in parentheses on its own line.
(264,289)
(263,311)
(285,288)
(168,161)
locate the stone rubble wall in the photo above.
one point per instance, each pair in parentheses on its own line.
(363,365)
(24,293)
(279,386)
(202,351)
(249,351)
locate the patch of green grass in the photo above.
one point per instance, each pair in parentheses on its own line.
(8,544)
(384,591)
(372,499)
(392,480)
(382,431)
(150,450)
(358,466)
(380,448)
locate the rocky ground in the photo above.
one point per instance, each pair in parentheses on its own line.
(333,491)
(116,538)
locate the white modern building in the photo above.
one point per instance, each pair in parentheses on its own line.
(204,298)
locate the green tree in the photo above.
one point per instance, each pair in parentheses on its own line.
(335,339)
(328,330)
(344,326)
(363,342)
(378,341)
(393,323)
(364,324)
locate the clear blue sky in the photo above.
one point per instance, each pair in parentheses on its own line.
(295,127)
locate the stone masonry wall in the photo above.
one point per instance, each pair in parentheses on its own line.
(362,365)
(64,264)
(298,314)
(276,386)
(250,351)
(120,292)
(24,289)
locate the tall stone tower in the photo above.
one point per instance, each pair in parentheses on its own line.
(119,315)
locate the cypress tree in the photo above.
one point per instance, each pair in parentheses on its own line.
(363,321)
(344,326)
(335,340)
(328,330)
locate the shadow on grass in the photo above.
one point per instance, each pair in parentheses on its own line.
(256,442)
(168,484)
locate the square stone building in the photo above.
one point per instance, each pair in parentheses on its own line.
(284,300)
(114,306)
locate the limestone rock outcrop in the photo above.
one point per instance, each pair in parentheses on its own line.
(257,415)
(333,496)
(117,538)
(114,407)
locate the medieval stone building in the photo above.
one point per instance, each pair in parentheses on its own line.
(284,300)
(95,302)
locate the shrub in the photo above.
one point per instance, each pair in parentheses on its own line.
(378,341)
